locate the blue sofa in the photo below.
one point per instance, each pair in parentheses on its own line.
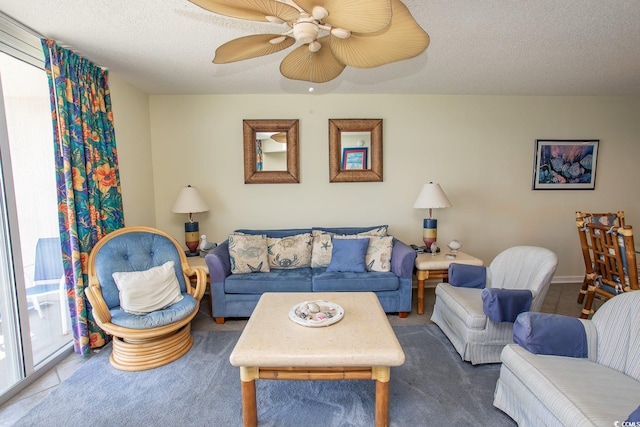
(236,295)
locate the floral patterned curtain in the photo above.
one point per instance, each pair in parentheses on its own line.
(87,177)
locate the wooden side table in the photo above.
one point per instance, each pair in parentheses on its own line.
(436,266)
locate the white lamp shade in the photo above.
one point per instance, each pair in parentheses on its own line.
(189,201)
(431,197)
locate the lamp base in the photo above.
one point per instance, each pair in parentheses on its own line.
(429,233)
(191,237)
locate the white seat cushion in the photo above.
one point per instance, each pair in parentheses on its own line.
(466,303)
(571,388)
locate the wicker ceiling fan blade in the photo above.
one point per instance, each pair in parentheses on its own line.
(402,39)
(360,16)
(280,137)
(253,10)
(250,47)
(318,67)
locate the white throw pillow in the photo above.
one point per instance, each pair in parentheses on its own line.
(289,252)
(248,253)
(142,292)
(321,249)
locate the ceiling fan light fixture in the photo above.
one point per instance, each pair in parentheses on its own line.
(319,13)
(341,33)
(314,46)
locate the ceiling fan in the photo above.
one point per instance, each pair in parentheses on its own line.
(331,33)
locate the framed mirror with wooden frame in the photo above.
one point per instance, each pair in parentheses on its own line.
(271,153)
(355,150)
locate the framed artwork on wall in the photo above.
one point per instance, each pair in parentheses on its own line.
(565,164)
(354,158)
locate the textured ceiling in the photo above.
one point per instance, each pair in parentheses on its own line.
(502,47)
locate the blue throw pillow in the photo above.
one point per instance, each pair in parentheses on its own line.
(348,255)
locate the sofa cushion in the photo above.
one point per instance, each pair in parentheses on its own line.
(348,255)
(142,292)
(326,281)
(289,252)
(248,253)
(297,280)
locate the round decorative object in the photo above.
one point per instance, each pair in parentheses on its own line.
(315,314)
(454,245)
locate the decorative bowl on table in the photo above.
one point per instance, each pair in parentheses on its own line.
(315,314)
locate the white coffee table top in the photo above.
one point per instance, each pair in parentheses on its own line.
(363,337)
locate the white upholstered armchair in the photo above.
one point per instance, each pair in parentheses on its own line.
(516,280)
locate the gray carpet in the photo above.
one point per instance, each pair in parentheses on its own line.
(433,388)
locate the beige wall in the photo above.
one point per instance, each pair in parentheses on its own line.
(133,140)
(479,148)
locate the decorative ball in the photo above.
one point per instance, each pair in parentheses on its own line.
(454,245)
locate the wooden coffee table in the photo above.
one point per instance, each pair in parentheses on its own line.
(362,346)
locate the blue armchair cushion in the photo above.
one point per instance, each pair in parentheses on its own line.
(348,255)
(155,319)
(467,276)
(551,334)
(504,305)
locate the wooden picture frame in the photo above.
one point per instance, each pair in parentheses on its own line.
(289,130)
(355,158)
(565,164)
(372,128)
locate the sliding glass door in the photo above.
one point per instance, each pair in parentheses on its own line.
(34,310)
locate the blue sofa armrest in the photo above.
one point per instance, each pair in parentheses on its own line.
(467,276)
(219,262)
(504,305)
(403,259)
(551,334)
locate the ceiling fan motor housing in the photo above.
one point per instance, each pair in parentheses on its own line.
(306,29)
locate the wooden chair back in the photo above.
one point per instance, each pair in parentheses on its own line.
(615,267)
(582,218)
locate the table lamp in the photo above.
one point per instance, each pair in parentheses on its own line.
(431,197)
(190,201)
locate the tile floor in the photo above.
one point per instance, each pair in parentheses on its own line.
(561,299)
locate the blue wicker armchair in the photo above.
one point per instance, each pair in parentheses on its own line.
(141,294)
